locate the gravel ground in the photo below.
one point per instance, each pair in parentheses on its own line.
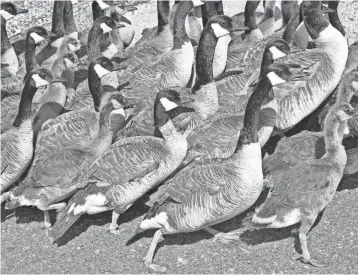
(88,248)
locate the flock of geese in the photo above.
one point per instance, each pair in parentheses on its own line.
(90,121)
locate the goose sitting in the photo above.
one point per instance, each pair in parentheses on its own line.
(208,192)
(305,146)
(69,142)
(115,181)
(307,188)
(17,141)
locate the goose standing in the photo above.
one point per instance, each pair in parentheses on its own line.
(302,193)
(69,142)
(17,141)
(204,91)
(305,146)
(209,192)
(10,105)
(8,55)
(115,181)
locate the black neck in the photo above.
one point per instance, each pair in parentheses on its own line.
(291,27)
(160,117)
(267,60)
(219,7)
(208,10)
(94,84)
(96,11)
(180,35)
(163,10)
(204,58)
(334,18)
(289,9)
(314,20)
(94,40)
(25,103)
(5,43)
(248,133)
(250,15)
(57,17)
(30,56)
(69,21)
(104,117)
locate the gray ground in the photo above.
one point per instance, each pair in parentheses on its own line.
(88,248)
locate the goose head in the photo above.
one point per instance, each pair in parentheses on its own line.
(38,34)
(344,111)
(168,104)
(40,77)
(221,25)
(71,44)
(99,67)
(105,24)
(281,73)
(9,10)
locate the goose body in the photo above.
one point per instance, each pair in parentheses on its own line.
(307,188)
(70,142)
(17,142)
(115,181)
(208,192)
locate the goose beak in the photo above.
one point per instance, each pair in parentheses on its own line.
(130,104)
(119,67)
(21,10)
(240,29)
(185,100)
(118,26)
(59,79)
(327,10)
(52,35)
(300,76)
(124,20)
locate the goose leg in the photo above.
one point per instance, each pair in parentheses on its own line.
(148,259)
(306,224)
(113,227)
(224,238)
(47,221)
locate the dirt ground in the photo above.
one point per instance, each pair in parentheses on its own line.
(89,248)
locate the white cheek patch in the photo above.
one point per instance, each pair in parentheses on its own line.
(300,25)
(197,3)
(57,43)
(6,15)
(119,111)
(102,5)
(68,63)
(276,53)
(167,104)
(37,38)
(343,116)
(218,30)
(101,72)
(116,104)
(346,129)
(72,47)
(105,28)
(275,79)
(39,81)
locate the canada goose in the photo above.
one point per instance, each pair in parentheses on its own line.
(161,41)
(17,147)
(305,146)
(78,135)
(302,193)
(217,189)
(115,182)
(204,91)
(10,105)
(8,55)
(218,136)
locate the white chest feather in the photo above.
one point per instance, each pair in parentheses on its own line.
(220,57)
(9,57)
(110,51)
